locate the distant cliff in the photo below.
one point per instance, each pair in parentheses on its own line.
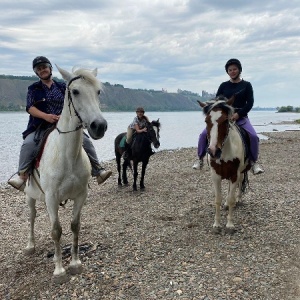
(13,90)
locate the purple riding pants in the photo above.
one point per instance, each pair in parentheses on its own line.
(242,122)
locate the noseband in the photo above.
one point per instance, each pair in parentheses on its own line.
(70,102)
(219,150)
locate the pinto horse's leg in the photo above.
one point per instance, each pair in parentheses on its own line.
(144,166)
(218,201)
(30,248)
(59,274)
(75,264)
(135,175)
(231,201)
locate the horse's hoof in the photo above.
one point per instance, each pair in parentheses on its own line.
(59,279)
(230,230)
(142,188)
(217,230)
(29,251)
(75,269)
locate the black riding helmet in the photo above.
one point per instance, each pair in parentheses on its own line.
(41,60)
(140,109)
(233,61)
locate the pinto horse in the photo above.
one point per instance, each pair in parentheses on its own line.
(64,169)
(227,156)
(140,152)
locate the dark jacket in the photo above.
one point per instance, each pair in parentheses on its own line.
(244,99)
(37,93)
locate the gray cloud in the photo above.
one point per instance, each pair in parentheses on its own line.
(159,44)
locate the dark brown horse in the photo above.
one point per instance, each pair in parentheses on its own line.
(140,152)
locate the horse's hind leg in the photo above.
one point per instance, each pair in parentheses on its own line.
(30,248)
(75,264)
(118,161)
(124,170)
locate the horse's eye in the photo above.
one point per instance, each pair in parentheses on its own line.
(98,92)
(75,92)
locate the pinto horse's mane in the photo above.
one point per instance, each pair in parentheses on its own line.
(219,102)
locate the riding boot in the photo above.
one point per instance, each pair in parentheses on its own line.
(103,175)
(18,182)
(256,169)
(198,165)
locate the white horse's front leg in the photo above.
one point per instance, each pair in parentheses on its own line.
(218,201)
(30,248)
(231,204)
(75,264)
(60,275)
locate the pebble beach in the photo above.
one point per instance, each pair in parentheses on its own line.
(159,243)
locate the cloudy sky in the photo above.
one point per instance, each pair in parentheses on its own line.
(155,44)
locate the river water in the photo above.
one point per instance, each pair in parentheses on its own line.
(179,130)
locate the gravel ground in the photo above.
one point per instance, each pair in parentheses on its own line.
(159,244)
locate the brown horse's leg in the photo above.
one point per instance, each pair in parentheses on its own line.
(118,161)
(135,175)
(144,166)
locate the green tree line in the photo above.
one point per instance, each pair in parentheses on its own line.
(288,109)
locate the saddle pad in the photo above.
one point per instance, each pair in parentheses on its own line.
(122,142)
(245,139)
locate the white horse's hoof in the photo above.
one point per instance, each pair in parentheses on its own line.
(61,278)
(217,230)
(75,269)
(29,251)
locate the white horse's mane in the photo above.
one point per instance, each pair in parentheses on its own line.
(88,75)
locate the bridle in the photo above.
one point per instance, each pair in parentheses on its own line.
(229,125)
(70,102)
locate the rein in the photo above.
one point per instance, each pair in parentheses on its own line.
(69,105)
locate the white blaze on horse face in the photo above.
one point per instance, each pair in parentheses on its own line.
(215,115)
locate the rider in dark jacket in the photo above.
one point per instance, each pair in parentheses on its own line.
(243,103)
(45,100)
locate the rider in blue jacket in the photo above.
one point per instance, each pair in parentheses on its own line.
(45,100)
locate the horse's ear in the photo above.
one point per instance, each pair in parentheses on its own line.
(202,104)
(65,74)
(230,100)
(94,72)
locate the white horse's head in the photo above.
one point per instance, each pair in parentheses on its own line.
(83,90)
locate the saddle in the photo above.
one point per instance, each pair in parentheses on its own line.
(41,140)
(245,139)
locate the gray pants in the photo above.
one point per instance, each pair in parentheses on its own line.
(29,151)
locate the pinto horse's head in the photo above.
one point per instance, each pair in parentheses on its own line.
(217,112)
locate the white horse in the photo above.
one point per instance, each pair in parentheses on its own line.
(64,168)
(226,156)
